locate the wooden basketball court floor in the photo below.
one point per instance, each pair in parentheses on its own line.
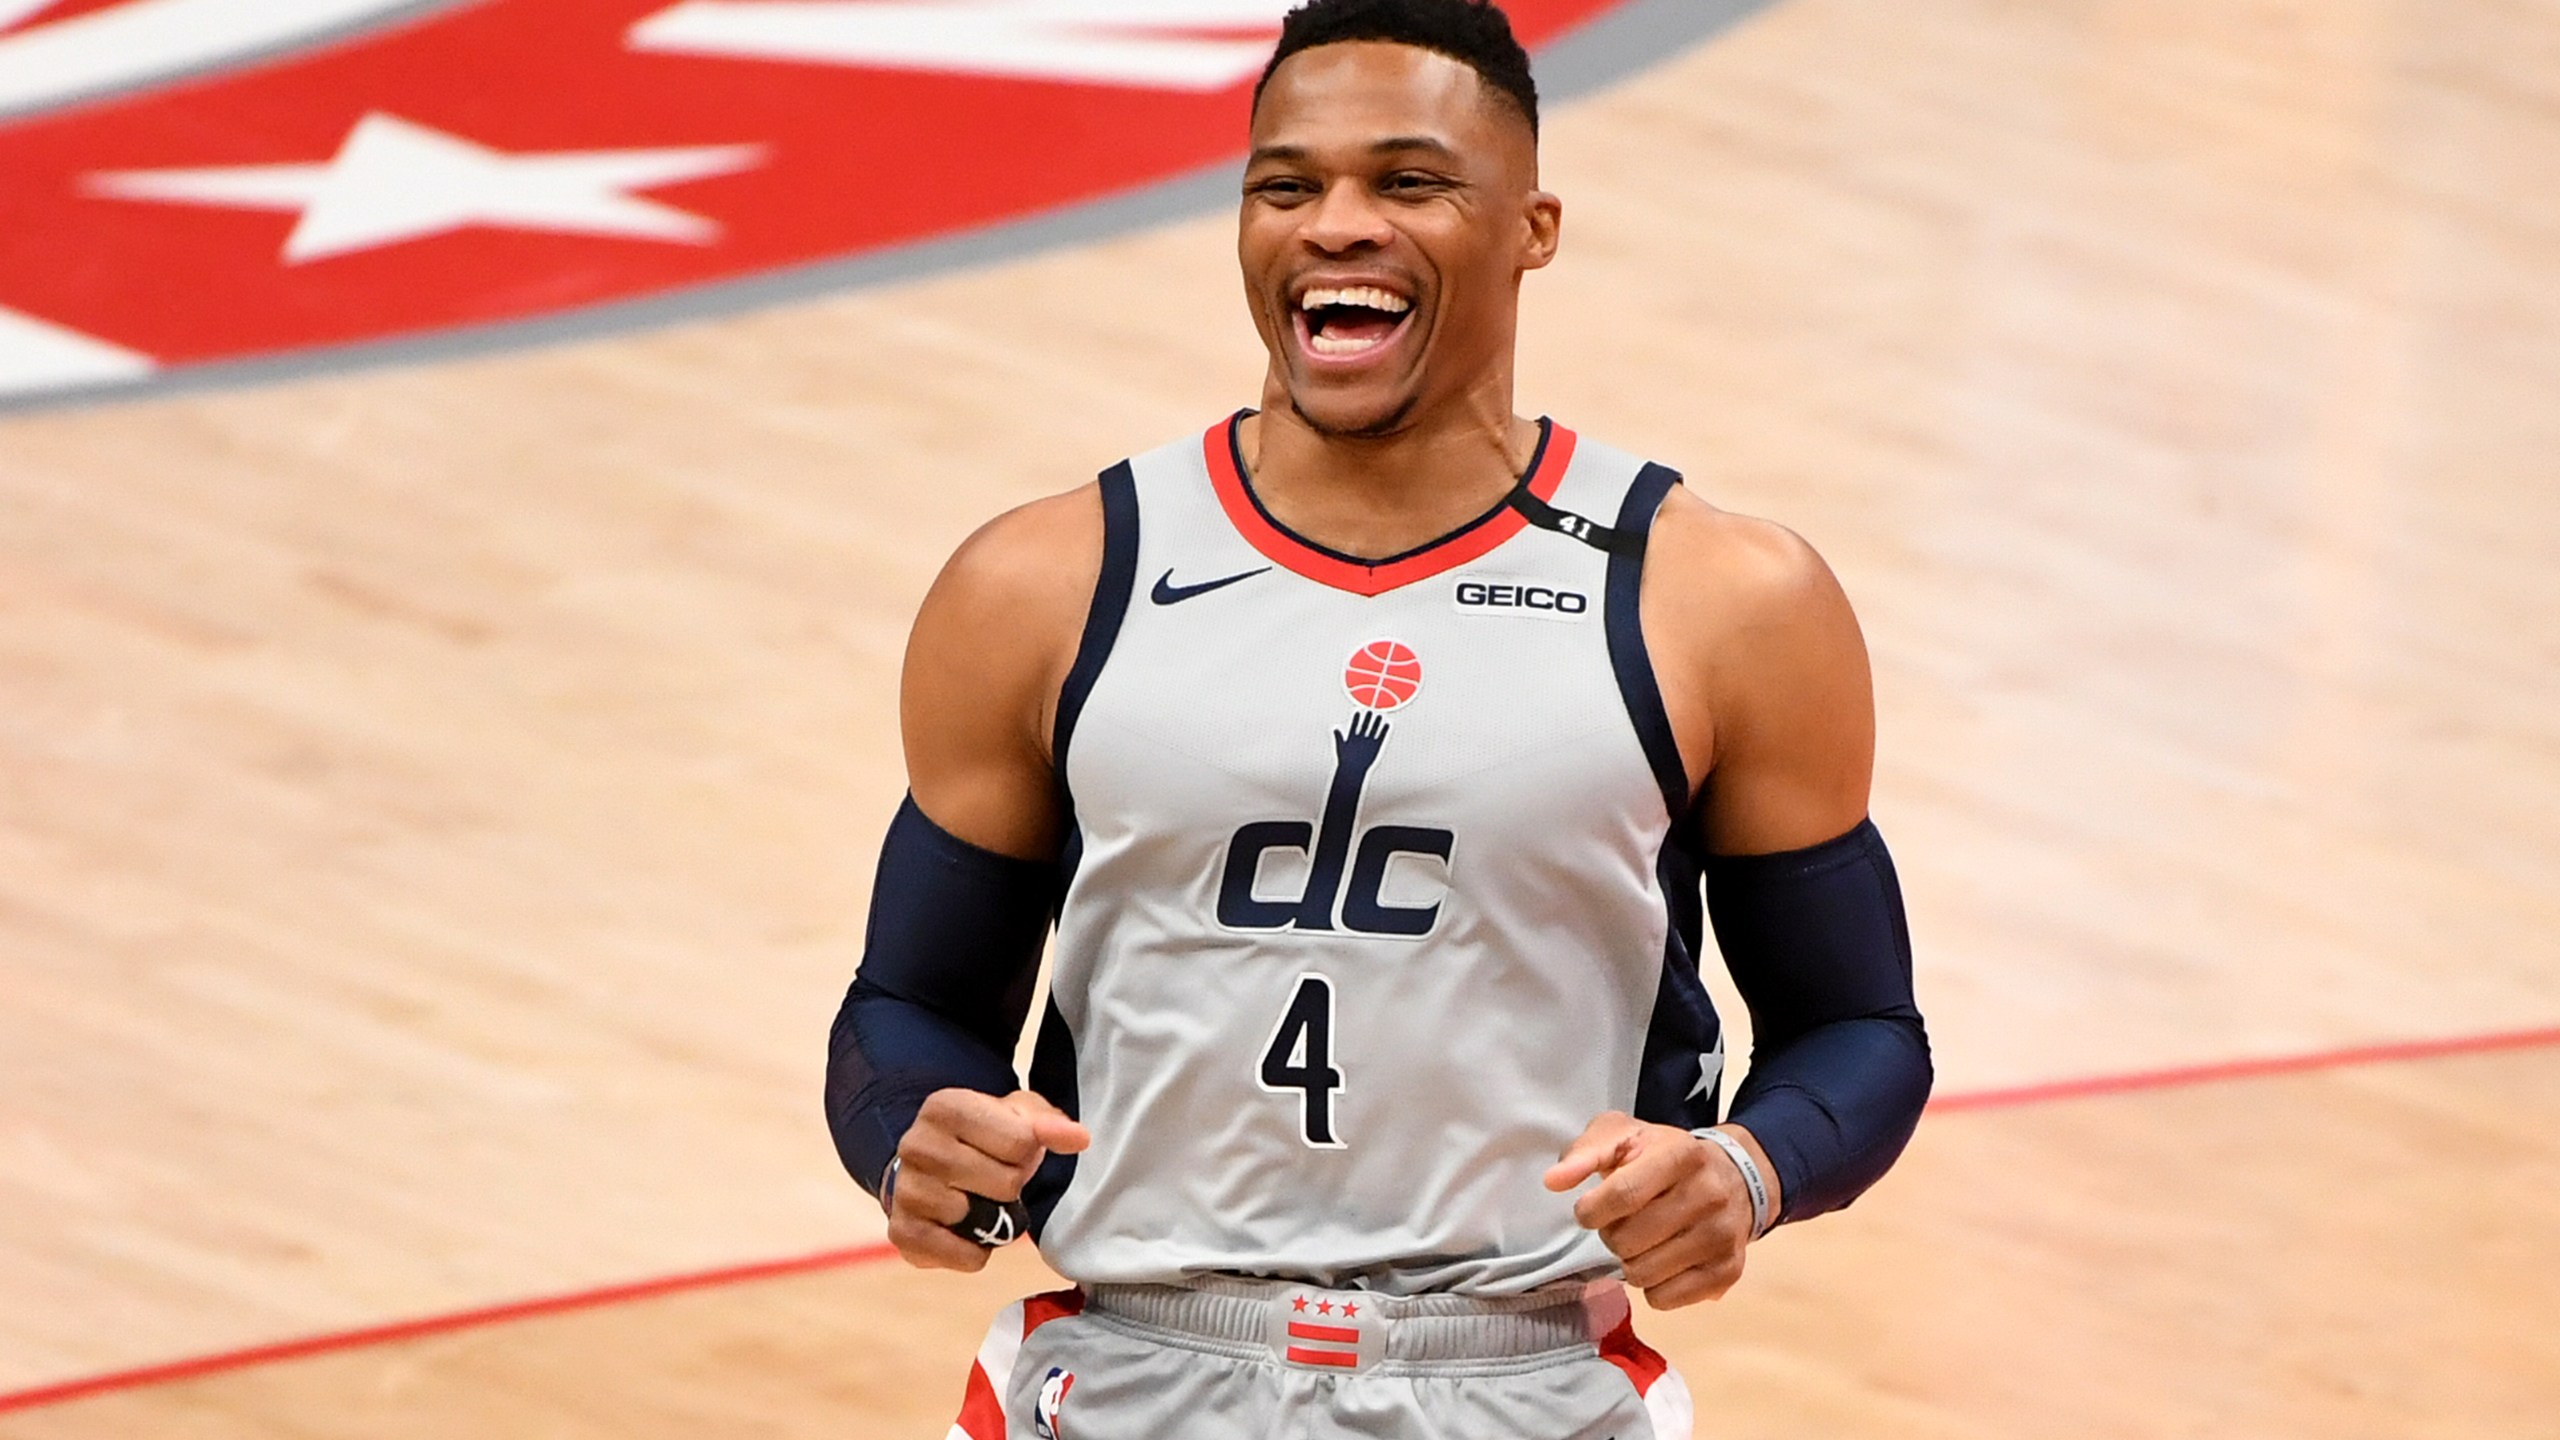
(436,804)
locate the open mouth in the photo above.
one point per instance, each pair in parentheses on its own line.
(1351,322)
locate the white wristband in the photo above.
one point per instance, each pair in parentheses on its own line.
(1751,1177)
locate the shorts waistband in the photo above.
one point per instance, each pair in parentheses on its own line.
(1307,1327)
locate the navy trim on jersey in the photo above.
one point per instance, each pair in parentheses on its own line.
(1621,612)
(1111,592)
(1235,446)
(1053,1056)
(1053,1075)
(1674,1084)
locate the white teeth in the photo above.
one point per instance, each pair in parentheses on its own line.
(1368,297)
(1335,345)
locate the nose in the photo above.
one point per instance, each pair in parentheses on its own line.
(1346,219)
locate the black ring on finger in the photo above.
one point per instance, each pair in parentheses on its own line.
(992,1224)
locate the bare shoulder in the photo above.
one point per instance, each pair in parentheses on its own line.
(1764,675)
(990,650)
(1730,578)
(1030,560)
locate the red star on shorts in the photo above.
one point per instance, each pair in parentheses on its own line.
(1349,1310)
(1324,1307)
(1299,1304)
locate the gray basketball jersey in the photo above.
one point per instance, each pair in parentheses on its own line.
(1375,896)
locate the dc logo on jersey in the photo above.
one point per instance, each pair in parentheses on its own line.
(1053,1398)
(1345,882)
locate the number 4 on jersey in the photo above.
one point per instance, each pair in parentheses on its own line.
(1300,1058)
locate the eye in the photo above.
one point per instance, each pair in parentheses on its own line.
(1412,182)
(1281,188)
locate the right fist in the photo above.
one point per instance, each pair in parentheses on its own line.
(965,1143)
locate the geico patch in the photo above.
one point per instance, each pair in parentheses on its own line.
(1507,595)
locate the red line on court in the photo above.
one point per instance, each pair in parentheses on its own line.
(2250,1069)
(198,1367)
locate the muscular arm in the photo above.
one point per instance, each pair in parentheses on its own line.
(920,1059)
(989,653)
(1765,676)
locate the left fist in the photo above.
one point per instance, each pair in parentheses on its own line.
(1670,1206)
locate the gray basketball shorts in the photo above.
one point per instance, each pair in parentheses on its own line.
(1263,1360)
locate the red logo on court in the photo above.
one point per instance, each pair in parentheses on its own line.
(187,183)
(1383,675)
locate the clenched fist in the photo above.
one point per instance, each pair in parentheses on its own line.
(964,1143)
(1670,1206)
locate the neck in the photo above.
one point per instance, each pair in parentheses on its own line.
(1376,496)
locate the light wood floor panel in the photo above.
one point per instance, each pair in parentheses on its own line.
(436,805)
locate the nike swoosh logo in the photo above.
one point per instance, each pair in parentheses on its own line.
(1168,593)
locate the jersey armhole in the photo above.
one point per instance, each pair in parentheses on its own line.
(1111,591)
(1053,1055)
(1621,614)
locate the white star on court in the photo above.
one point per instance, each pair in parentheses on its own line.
(394,180)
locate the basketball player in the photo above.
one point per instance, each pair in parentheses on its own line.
(1368,752)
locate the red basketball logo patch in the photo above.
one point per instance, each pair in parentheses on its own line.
(1383,675)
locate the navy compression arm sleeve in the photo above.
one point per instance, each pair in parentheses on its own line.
(949,962)
(1840,1069)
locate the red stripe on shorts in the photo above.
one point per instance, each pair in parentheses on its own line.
(1300,1330)
(981,1414)
(1643,1364)
(1347,1359)
(1039,1310)
(981,1409)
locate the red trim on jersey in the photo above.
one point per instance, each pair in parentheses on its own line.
(1641,1362)
(1473,543)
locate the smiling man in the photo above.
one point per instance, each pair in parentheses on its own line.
(1370,753)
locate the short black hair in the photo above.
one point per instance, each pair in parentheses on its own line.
(1474,32)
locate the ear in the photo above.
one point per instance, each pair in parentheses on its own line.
(1545,216)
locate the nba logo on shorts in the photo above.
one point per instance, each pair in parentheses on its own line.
(1053,1398)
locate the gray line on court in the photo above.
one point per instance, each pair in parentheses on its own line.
(233,62)
(1608,49)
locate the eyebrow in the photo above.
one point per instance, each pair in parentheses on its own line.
(1387,146)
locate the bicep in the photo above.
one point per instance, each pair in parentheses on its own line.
(1797,732)
(991,646)
(1777,669)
